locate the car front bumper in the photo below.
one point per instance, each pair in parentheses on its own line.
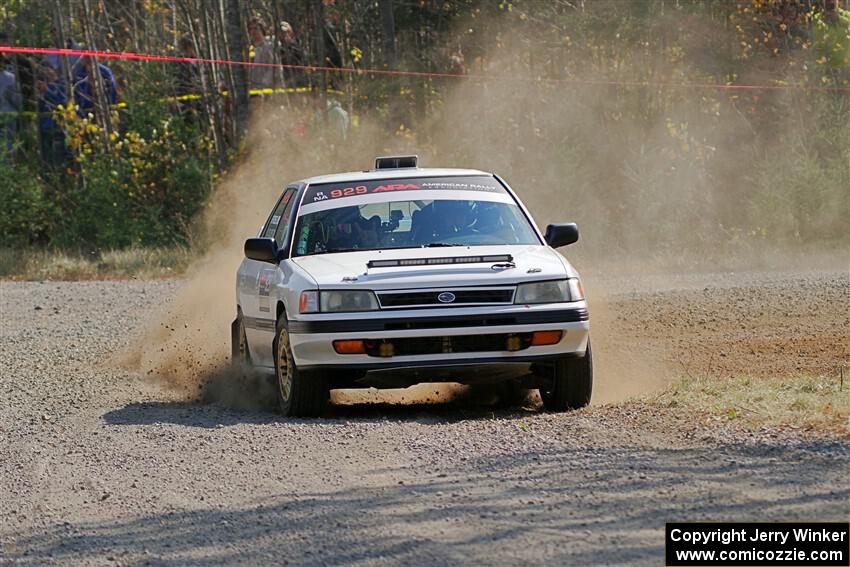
(312,337)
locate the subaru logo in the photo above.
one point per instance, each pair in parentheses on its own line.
(446,297)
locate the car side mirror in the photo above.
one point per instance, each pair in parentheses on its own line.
(558,235)
(261,249)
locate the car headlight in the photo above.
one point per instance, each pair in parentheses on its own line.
(557,291)
(340,301)
(337,301)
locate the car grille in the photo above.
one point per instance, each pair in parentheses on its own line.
(450,344)
(462,297)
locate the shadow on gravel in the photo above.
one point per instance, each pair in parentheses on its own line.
(595,506)
(250,397)
(202,415)
(186,414)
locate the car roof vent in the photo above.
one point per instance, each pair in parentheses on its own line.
(395,162)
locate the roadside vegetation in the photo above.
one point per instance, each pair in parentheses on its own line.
(819,403)
(596,105)
(57,265)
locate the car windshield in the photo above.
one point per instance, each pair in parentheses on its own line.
(369,218)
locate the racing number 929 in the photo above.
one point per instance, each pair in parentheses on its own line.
(349,191)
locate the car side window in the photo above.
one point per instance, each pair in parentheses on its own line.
(283,225)
(275,221)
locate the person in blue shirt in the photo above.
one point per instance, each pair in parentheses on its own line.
(55,60)
(10,101)
(51,94)
(84,89)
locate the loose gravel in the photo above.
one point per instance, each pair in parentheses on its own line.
(103,466)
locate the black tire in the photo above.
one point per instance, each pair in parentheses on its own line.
(572,384)
(299,393)
(239,354)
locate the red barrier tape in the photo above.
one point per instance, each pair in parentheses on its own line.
(427,74)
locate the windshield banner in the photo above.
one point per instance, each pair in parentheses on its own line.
(333,191)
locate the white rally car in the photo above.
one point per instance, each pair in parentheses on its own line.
(402,275)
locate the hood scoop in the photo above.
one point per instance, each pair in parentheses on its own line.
(405,262)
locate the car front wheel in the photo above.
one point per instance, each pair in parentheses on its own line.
(572,384)
(299,393)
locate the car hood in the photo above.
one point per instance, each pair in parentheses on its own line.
(348,269)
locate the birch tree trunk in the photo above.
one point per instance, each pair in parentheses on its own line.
(235,48)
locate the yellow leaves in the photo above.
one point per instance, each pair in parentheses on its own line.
(404,132)
(356,54)
(676,53)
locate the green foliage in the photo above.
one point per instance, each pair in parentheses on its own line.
(832,39)
(27,213)
(801,198)
(140,186)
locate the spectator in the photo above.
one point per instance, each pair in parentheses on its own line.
(338,121)
(457,63)
(51,94)
(333,55)
(189,87)
(10,100)
(261,77)
(24,70)
(291,53)
(55,60)
(330,120)
(85,89)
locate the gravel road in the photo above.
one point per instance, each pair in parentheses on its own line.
(102,466)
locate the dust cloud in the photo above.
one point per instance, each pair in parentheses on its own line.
(640,207)
(185,346)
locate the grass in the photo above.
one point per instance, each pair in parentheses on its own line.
(33,264)
(804,401)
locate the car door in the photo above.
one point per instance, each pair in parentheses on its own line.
(258,280)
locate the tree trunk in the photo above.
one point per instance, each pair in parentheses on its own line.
(388,25)
(396,112)
(235,42)
(319,35)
